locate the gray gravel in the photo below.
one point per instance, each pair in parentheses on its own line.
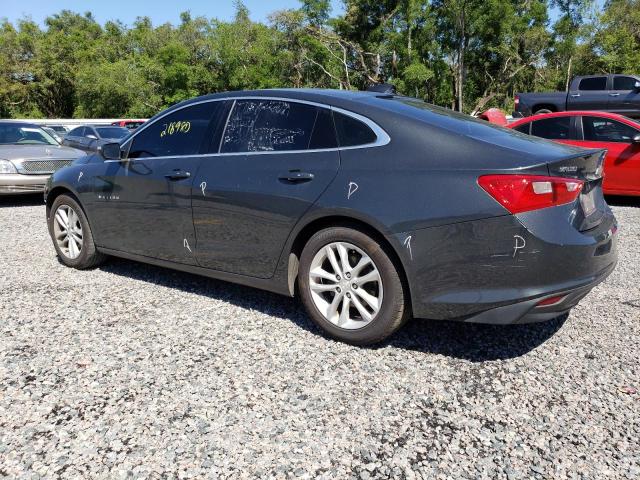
(132,371)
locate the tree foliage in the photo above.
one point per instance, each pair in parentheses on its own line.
(464,54)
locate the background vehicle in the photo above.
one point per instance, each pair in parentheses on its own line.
(130,124)
(609,93)
(28,156)
(86,137)
(60,130)
(619,135)
(376,206)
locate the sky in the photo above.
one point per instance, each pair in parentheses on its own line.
(160,11)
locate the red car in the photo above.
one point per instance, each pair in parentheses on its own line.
(618,134)
(130,124)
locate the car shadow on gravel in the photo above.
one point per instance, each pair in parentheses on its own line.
(619,201)
(472,342)
(13,201)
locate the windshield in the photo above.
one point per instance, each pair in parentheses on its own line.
(25,135)
(112,132)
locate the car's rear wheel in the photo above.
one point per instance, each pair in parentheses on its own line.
(351,287)
(541,111)
(71,234)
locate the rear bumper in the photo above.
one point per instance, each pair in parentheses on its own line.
(529,311)
(13,184)
(498,269)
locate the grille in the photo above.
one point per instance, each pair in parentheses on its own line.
(43,166)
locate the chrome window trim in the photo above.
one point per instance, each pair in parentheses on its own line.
(382,138)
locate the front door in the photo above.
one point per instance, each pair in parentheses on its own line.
(275,159)
(144,202)
(624,97)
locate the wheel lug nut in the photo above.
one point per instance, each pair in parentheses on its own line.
(338,277)
(348,295)
(354,286)
(348,275)
(338,289)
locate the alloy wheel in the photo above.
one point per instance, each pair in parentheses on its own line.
(346,286)
(67,230)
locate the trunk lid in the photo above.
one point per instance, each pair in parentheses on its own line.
(587,166)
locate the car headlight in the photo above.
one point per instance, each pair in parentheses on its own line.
(7,167)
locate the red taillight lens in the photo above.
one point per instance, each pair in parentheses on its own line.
(522,193)
(516,100)
(551,301)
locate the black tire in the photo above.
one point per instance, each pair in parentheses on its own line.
(89,256)
(394,309)
(541,111)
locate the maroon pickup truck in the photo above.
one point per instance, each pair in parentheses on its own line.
(608,93)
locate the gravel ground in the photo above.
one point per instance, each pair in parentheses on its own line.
(132,371)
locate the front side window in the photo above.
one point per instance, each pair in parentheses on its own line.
(598,129)
(269,125)
(556,128)
(593,83)
(180,133)
(624,83)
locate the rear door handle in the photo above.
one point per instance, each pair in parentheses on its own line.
(575,95)
(177,175)
(614,94)
(296,176)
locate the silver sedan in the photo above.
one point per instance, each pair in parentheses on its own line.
(28,156)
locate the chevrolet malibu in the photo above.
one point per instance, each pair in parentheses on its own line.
(28,156)
(373,208)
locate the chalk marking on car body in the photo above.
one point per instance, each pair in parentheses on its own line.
(407,243)
(80,176)
(203,187)
(186,245)
(518,245)
(353,187)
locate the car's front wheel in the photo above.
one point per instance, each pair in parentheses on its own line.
(71,234)
(351,287)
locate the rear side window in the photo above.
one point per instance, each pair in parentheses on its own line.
(594,83)
(268,125)
(77,132)
(524,128)
(557,128)
(352,132)
(324,131)
(598,129)
(179,133)
(624,83)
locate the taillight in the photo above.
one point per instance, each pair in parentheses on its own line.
(516,100)
(522,193)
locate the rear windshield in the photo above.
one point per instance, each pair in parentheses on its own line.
(112,132)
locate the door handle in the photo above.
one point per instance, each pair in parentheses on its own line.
(296,176)
(177,175)
(614,94)
(575,95)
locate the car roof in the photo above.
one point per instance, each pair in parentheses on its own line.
(19,123)
(575,113)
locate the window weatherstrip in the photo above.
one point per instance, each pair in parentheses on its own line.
(382,138)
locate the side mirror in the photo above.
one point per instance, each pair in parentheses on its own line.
(92,137)
(636,139)
(637,85)
(110,151)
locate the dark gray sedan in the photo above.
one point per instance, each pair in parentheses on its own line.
(372,207)
(28,156)
(86,137)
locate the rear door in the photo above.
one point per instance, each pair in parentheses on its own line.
(622,163)
(561,129)
(143,203)
(73,138)
(274,160)
(592,94)
(624,96)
